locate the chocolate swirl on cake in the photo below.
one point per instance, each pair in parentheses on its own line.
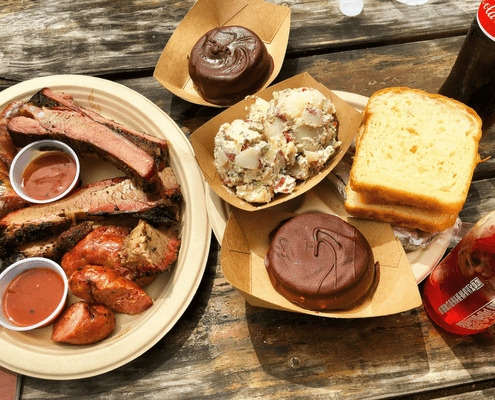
(321,262)
(228,63)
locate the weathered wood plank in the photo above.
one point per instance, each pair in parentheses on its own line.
(99,37)
(316,28)
(225,348)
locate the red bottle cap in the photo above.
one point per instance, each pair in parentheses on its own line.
(486,18)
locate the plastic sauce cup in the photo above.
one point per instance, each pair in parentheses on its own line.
(27,155)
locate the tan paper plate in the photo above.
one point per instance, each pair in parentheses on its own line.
(34,353)
(203,141)
(172,69)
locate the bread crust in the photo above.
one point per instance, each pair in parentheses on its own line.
(399,215)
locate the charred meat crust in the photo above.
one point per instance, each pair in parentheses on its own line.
(155,147)
(86,137)
(16,234)
(111,197)
(55,246)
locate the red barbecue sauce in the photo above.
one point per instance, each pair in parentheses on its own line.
(32,296)
(49,175)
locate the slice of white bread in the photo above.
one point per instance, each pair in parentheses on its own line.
(406,216)
(416,149)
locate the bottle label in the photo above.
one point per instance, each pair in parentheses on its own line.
(480,319)
(486,18)
(467,290)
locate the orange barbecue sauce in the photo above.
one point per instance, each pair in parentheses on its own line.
(32,296)
(49,175)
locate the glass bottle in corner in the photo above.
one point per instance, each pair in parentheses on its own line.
(472,79)
(459,294)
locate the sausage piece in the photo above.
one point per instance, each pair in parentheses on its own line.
(97,284)
(99,247)
(102,247)
(84,323)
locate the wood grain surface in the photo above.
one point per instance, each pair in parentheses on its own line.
(222,347)
(102,37)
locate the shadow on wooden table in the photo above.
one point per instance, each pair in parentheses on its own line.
(473,352)
(325,352)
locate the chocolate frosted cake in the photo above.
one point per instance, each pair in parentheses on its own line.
(321,262)
(228,63)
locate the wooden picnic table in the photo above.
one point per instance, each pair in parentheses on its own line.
(222,347)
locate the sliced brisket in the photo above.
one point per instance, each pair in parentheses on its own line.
(9,199)
(155,147)
(7,148)
(55,247)
(118,196)
(87,137)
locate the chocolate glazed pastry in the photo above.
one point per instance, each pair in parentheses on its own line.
(228,63)
(321,262)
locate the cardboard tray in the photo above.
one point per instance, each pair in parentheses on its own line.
(203,141)
(246,241)
(172,70)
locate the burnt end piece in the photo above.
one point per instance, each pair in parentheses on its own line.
(148,250)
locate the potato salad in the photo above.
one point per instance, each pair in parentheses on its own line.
(280,142)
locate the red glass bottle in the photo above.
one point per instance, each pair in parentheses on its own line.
(472,78)
(459,294)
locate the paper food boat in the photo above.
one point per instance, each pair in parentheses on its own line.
(172,69)
(203,139)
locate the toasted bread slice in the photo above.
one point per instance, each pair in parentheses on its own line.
(406,216)
(416,149)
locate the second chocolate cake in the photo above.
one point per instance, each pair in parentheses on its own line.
(228,63)
(321,262)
